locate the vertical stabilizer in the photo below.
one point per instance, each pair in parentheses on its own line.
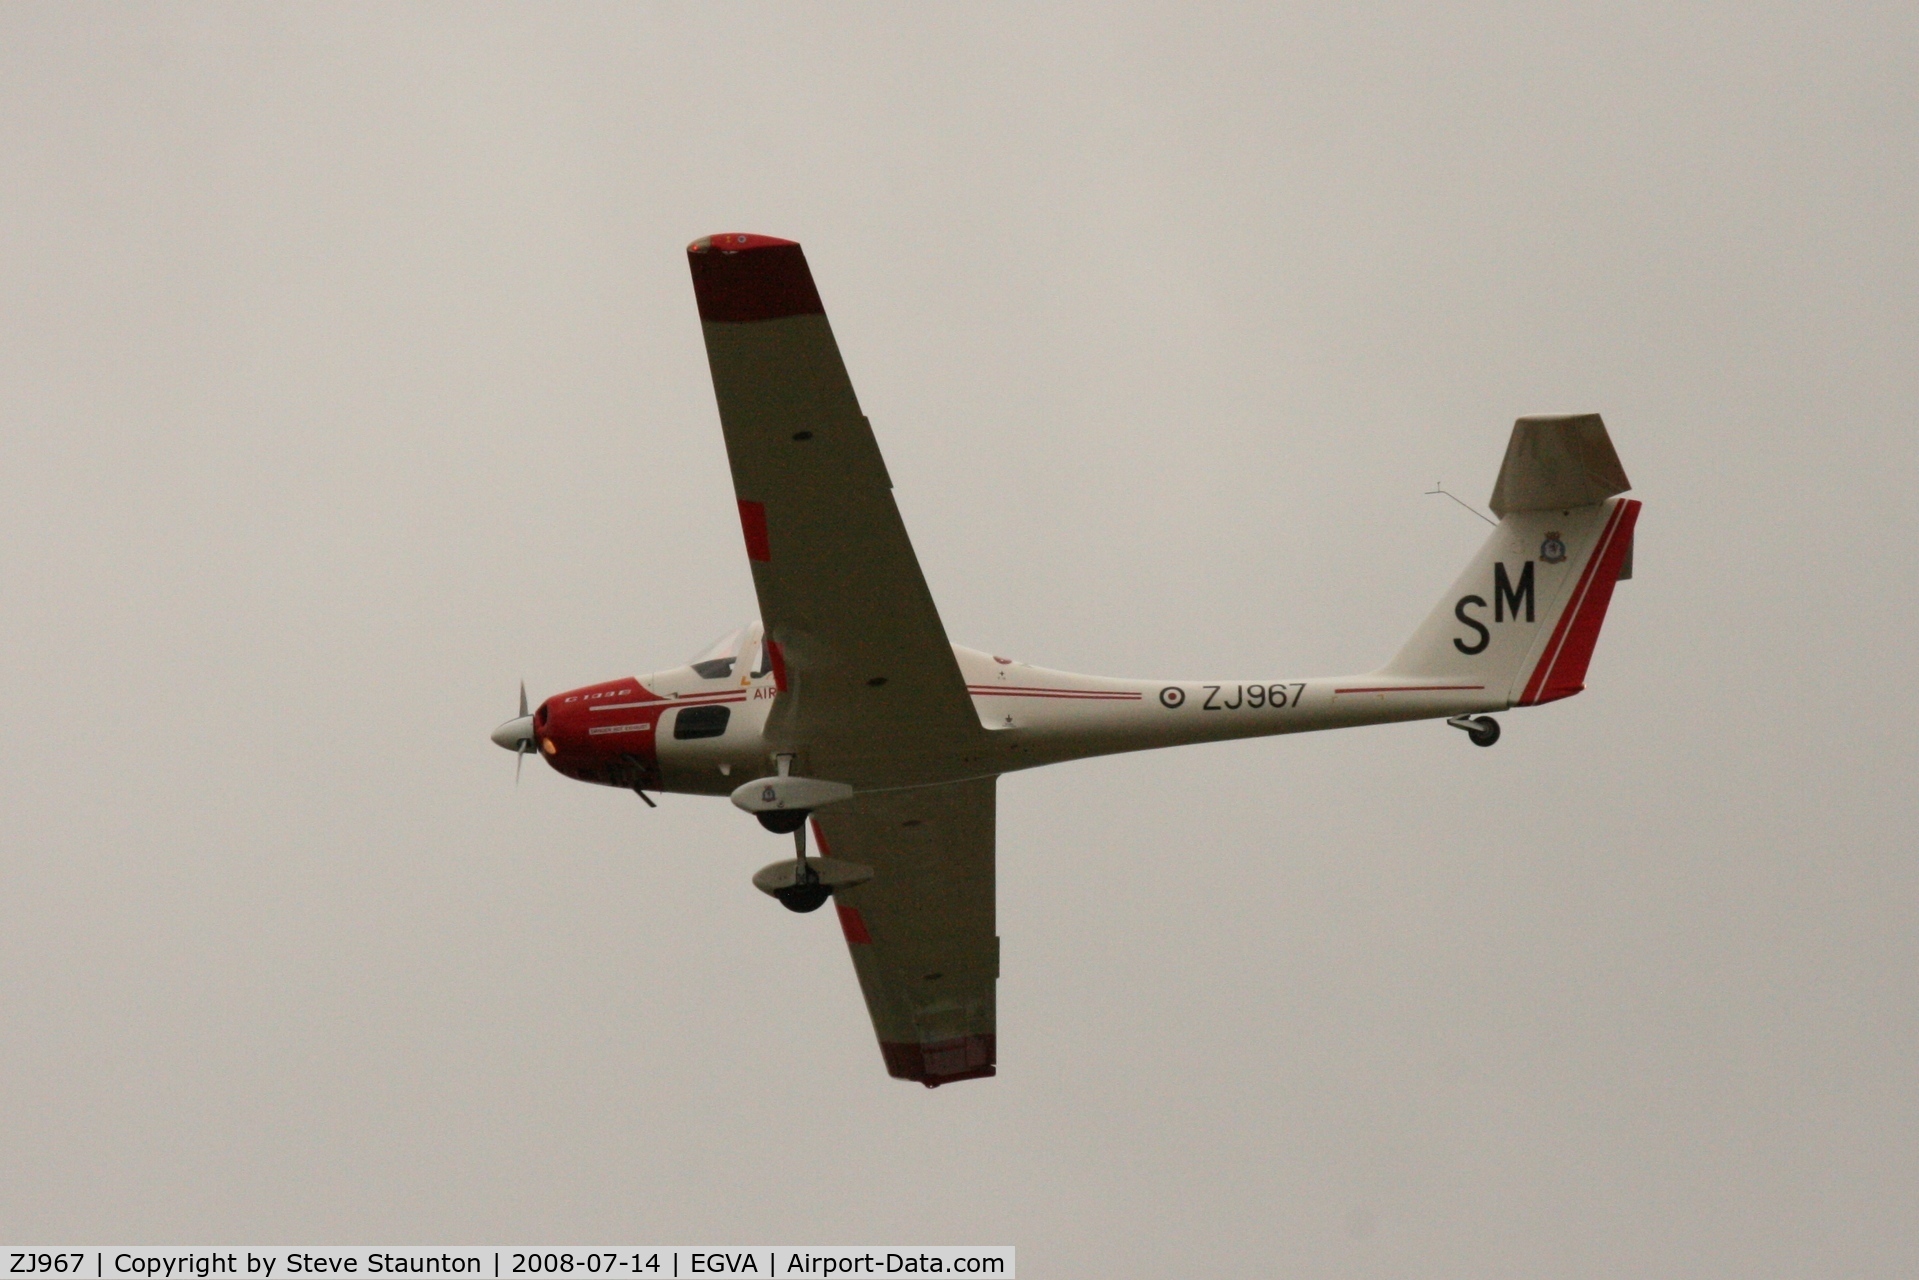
(1523,619)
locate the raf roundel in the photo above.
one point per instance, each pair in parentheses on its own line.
(1172,696)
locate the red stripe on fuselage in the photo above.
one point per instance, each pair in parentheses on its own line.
(998,691)
(1040,688)
(673,700)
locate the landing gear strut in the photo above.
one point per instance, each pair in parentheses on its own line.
(804,884)
(783,803)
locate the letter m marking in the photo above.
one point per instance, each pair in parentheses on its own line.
(1507,596)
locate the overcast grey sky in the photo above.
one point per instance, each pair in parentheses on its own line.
(351,372)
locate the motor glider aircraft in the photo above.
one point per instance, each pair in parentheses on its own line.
(847,706)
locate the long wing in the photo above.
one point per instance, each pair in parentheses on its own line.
(921,930)
(871,694)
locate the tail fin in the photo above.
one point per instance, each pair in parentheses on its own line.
(1524,617)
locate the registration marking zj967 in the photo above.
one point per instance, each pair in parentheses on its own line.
(1252,696)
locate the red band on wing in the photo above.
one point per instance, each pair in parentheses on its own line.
(753,524)
(745,277)
(852,924)
(778,655)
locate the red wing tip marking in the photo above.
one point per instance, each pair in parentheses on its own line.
(738,242)
(648,698)
(740,278)
(941,1062)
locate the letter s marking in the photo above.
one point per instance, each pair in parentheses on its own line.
(1485,636)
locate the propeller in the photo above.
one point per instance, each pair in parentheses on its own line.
(519,753)
(516,735)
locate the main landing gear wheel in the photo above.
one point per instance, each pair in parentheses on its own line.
(1483,730)
(804,884)
(782,822)
(807,895)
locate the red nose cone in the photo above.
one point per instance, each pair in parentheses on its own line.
(602,733)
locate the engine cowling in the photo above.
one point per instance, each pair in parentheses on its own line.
(605,733)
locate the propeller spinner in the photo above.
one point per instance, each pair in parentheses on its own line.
(516,735)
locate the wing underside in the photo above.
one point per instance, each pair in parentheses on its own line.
(921,931)
(871,694)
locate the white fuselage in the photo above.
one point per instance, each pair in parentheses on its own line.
(1035,716)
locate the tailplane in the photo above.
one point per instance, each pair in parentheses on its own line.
(1524,617)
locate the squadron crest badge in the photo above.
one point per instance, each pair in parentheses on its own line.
(1552,550)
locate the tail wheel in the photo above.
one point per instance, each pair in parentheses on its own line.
(1485,731)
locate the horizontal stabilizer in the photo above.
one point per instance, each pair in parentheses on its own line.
(1556,464)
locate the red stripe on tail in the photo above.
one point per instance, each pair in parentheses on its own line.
(1563,627)
(1562,667)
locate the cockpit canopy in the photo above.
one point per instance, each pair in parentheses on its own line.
(719,660)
